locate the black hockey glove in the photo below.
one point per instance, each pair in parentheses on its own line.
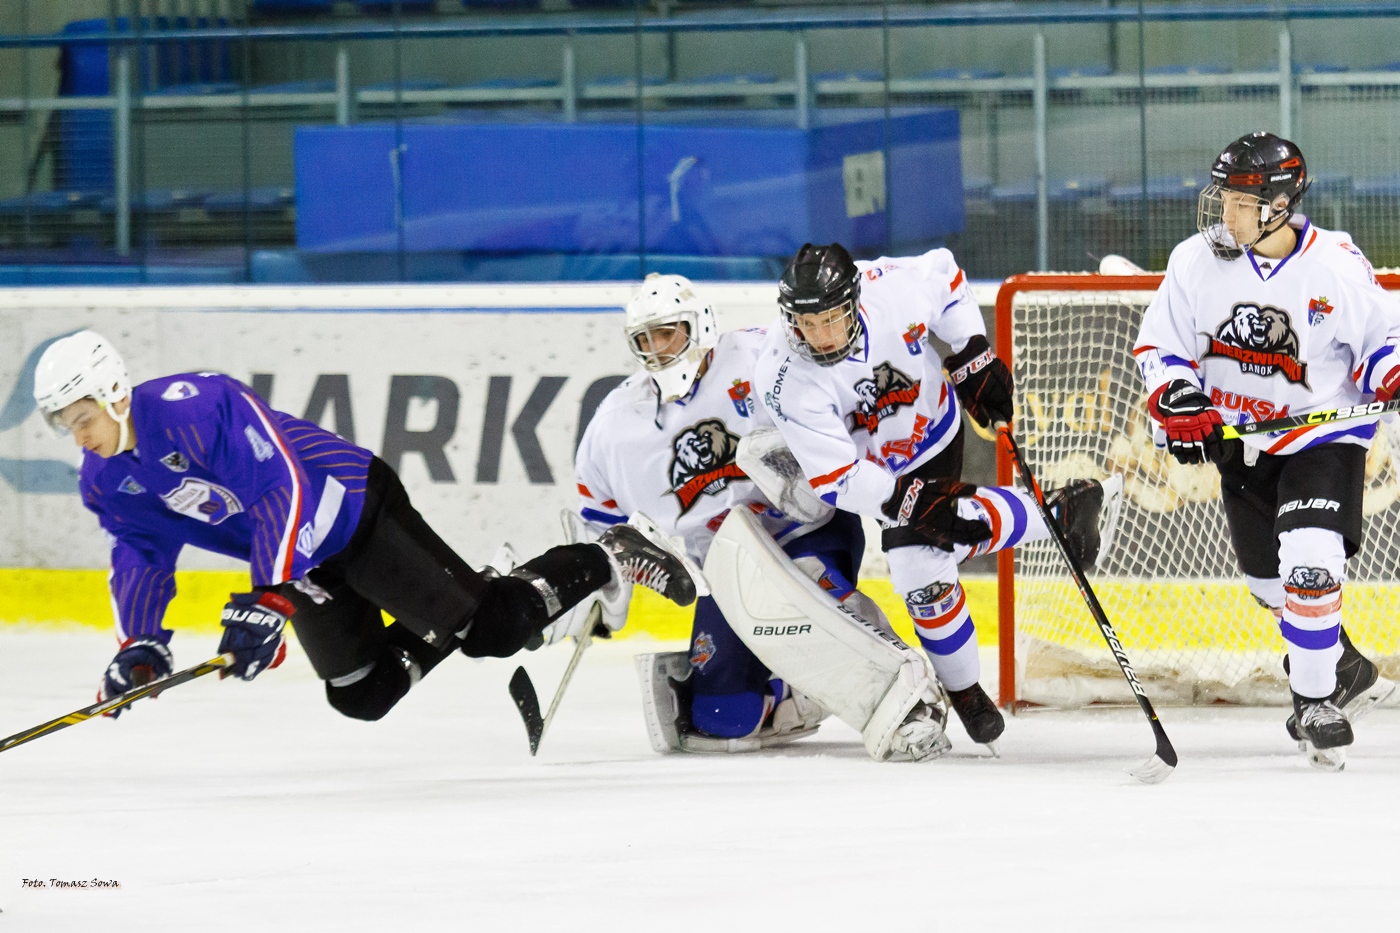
(1194,429)
(924,513)
(253,624)
(982,381)
(140,661)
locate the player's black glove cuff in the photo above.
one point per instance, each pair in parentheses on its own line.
(982,381)
(924,513)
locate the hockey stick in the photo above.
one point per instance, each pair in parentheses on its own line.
(121,701)
(522,689)
(1345,413)
(1159,767)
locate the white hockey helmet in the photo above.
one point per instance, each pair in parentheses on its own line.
(79,366)
(660,304)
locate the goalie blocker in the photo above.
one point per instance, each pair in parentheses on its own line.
(867,678)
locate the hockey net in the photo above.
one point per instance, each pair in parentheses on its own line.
(1170,584)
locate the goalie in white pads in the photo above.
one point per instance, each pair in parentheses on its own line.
(850,380)
(1263,315)
(667,443)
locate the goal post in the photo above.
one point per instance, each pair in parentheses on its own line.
(1170,585)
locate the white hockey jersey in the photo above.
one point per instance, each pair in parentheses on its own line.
(856,425)
(1268,338)
(681,473)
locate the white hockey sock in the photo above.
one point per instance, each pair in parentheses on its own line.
(927,579)
(1312,564)
(1012,515)
(945,629)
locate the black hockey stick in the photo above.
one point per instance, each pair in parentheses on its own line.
(522,689)
(1159,767)
(121,701)
(1345,413)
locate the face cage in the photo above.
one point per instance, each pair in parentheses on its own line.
(655,362)
(1210,221)
(802,348)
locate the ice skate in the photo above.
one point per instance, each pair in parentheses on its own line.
(1079,507)
(979,715)
(1360,688)
(639,554)
(1325,731)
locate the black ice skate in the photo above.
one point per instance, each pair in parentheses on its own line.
(648,559)
(1325,731)
(1360,688)
(1077,505)
(979,715)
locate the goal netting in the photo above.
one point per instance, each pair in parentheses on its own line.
(1170,585)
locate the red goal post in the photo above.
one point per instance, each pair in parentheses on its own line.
(1090,371)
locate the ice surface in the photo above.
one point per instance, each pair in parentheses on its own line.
(231,806)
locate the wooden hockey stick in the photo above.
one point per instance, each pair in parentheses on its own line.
(522,689)
(1159,767)
(1345,413)
(121,701)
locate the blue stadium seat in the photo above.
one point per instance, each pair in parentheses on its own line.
(1386,186)
(1200,68)
(624,80)
(159,201)
(283,7)
(511,84)
(49,203)
(1330,184)
(387,6)
(1318,68)
(1074,189)
(264,200)
(1018,192)
(407,84)
(197,90)
(960,74)
(978,189)
(501,4)
(757,77)
(848,76)
(296,87)
(1080,71)
(1164,188)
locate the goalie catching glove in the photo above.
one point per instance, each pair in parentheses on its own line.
(924,512)
(982,381)
(1195,431)
(140,661)
(253,625)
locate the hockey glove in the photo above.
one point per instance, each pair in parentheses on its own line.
(926,514)
(140,661)
(1194,429)
(253,624)
(1390,386)
(982,381)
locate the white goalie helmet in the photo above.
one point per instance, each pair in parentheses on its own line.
(79,366)
(660,305)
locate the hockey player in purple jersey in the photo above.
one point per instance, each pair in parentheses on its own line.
(326,527)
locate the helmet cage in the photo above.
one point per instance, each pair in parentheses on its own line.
(846,313)
(1210,219)
(652,360)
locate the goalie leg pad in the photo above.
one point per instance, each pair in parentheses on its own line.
(868,680)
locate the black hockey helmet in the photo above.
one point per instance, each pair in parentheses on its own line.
(821,280)
(1266,167)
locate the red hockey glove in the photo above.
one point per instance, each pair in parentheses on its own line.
(1194,429)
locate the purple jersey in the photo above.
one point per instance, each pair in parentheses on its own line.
(215,467)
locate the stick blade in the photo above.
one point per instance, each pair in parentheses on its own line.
(522,691)
(1153,771)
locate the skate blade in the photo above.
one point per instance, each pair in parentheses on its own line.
(1153,771)
(1327,759)
(675,546)
(1380,691)
(992,747)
